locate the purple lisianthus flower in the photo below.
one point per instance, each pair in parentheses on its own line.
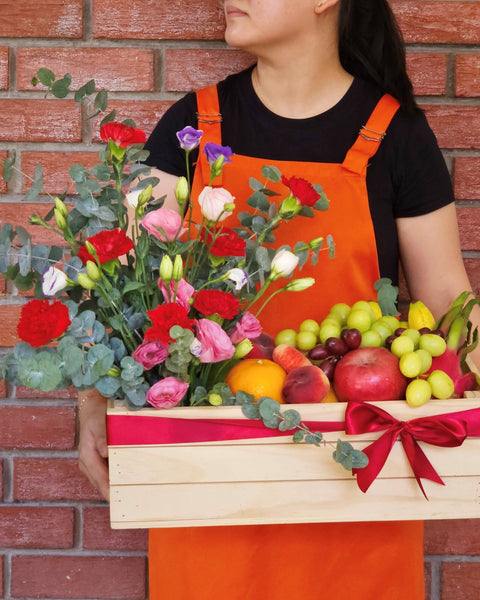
(214,151)
(189,137)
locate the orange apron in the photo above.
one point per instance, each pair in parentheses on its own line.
(342,561)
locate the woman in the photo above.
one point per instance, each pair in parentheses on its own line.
(321,75)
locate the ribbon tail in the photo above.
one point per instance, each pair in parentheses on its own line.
(377,453)
(421,466)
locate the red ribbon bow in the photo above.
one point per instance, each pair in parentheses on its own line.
(448,430)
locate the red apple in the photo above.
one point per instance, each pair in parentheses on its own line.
(263,346)
(305,385)
(369,374)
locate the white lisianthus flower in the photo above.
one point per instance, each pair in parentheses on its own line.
(196,347)
(132,198)
(238,277)
(53,281)
(216,203)
(283,264)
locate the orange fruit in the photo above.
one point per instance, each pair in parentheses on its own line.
(331,396)
(258,377)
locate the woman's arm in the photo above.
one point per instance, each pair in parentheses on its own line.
(432,261)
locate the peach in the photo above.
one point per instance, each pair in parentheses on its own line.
(289,358)
(305,384)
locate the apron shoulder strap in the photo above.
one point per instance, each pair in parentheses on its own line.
(209,121)
(371,135)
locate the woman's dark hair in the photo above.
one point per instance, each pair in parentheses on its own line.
(371,46)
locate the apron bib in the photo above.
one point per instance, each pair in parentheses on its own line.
(341,561)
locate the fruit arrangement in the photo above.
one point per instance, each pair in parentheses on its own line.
(358,353)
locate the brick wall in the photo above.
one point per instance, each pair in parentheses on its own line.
(55,540)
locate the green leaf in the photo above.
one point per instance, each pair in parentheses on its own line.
(37,184)
(108,386)
(291,420)
(8,164)
(306,211)
(101,172)
(86,90)
(268,407)
(61,87)
(78,172)
(359,459)
(101,359)
(42,372)
(25,259)
(272,173)
(46,77)
(331,246)
(255,185)
(262,258)
(260,202)
(314,438)
(250,410)
(101,101)
(298,436)
(387,296)
(73,360)
(108,118)
(322,203)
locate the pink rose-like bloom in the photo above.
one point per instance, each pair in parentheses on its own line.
(150,354)
(166,393)
(248,327)
(216,345)
(164,224)
(184,292)
(212,203)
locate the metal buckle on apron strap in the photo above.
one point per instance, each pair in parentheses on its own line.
(376,137)
(209,118)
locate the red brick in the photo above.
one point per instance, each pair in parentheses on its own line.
(460,580)
(146,114)
(36,527)
(3,389)
(9,315)
(19,213)
(37,427)
(98,535)
(40,121)
(55,167)
(451,537)
(47,19)
(428,73)
(1,479)
(455,126)
(3,185)
(4,62)
(467,178)
(187,70)
(472,266)
(115,69)
(51,479)
(469,225)
(467,75)
(96,577)
(158,20)
(66,394)
(438,22)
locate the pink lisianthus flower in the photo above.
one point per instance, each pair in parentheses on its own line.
(167,392)
(150,354)
(164,224)
(216,345)
(248,327)
(184,292)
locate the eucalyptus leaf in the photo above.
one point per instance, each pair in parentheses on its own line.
(251,411)
(272,173)
(46,77)
(260,202)
(61,87)
(298,436)
(101,359)
(78,172)
(101,101)
(108,118)
(40,372)
(36,186)
(40,255)
(255,185)
(331,246)
(25,259)
(262,258)
(101,172)
(7,167)
(85,90)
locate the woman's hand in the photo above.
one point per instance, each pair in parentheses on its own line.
(92,448)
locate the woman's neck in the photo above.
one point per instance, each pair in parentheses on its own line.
(299,90)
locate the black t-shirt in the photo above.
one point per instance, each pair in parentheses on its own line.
(406,177)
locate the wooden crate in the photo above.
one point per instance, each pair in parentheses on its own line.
(273,480)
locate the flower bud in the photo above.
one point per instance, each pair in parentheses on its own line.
(91,248)
(243,348)
(298,285)
(93,271)
(53,281)
(114,372)
(283,264)
(216,167)
(316,243)
(215,399)
(289,207)
(229,207)
(145,195)
(132,198)
(166,269)
(60,206)
(182,191)
(60,219)
(177,273)
(85,281)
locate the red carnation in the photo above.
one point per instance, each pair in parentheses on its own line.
(109,244)
(303,190)
(122,135)
(163,318)
(216,302)
(42,321)
(228,242)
